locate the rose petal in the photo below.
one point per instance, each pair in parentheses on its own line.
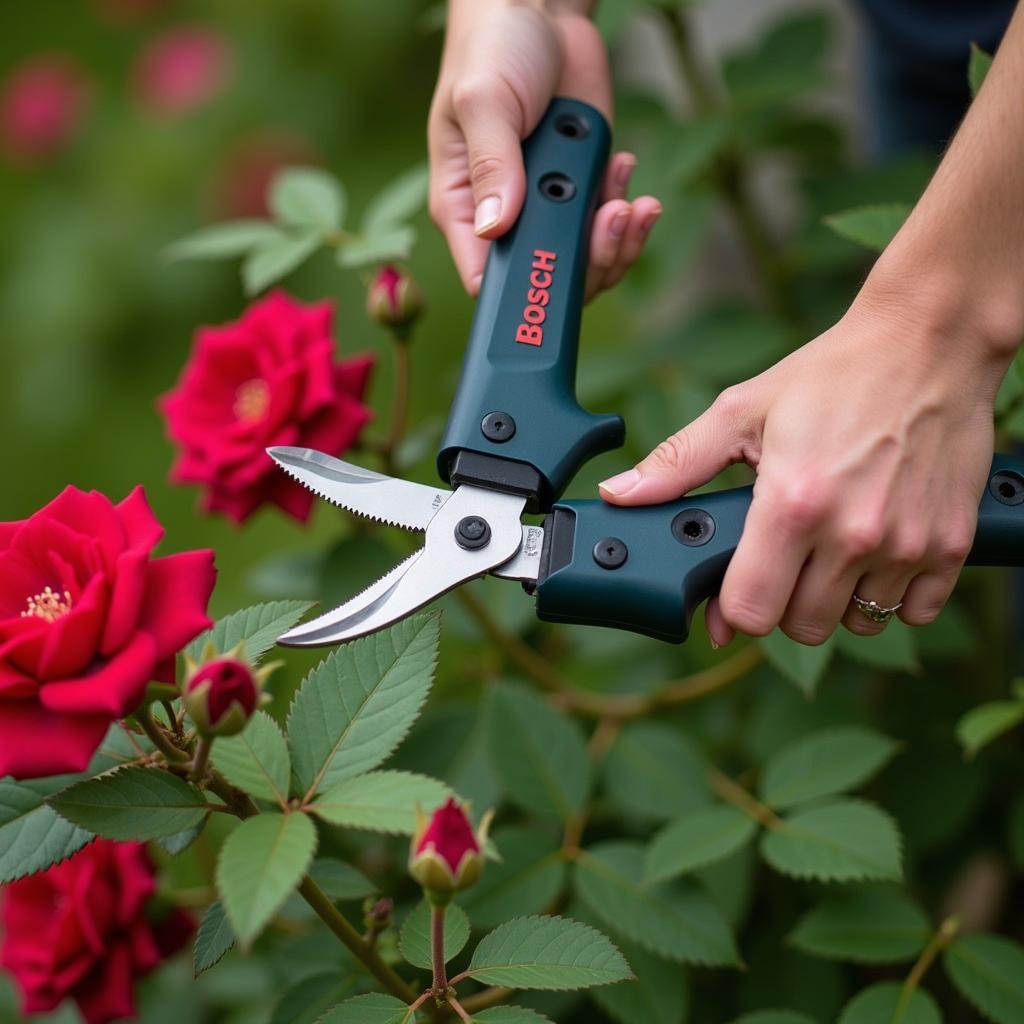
(35,742)
(178,589)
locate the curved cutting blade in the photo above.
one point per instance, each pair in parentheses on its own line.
(373,495)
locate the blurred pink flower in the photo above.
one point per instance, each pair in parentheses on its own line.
(182,69)
(43,101)
(240,184)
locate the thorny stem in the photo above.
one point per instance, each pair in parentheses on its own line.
(939,941)
(400,400)
(437,950)
(736,795)
(201,759)
(158,737)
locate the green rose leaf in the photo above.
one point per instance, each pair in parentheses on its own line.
(981,725)
(547,953)
(863,925)
(33,837)
(339,880)
(678,920)
(414,939)
(539,753)
(873,226)
(843,841)
(357,706)
(799,663)
(989,972)
(704,837)
(635,776)
(260,864)
(374,1008)
(306,1001)
(224,241)
(878,1004)
(775,1017)
(895,648)
(181,841)
(256,760)
(268,263)
(511,1015)
(388,244)
(397,201)
(530,874)
(381,801)
(132,804)
(213,940)
(978,67)
(824,763)
(306,197)
(257,628)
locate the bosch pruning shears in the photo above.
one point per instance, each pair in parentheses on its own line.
(516,436)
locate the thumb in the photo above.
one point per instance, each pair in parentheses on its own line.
(688,459)
(494,152)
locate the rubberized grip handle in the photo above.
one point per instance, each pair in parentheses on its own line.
(647,569)
(516,399)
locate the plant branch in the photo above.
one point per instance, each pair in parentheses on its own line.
(158,737)
(733,793)
(939,941)
(201,759)
(437,950)
(457,1007)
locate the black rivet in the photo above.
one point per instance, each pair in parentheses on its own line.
(472,532)
(1007,487)
(558,187)
(610,552)
(693,527)
(498,427)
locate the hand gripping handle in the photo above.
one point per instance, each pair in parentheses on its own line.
(515,424)
(646,569)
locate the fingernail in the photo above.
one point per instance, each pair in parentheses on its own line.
(715,645)
(622,483)
(625,172)
(488,213)
(617,228)
(649,221)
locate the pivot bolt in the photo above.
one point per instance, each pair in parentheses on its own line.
(472,532)
(610,552)
(498,427)
(693,527)
(1007,487)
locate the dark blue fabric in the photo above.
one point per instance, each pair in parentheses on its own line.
(918,51)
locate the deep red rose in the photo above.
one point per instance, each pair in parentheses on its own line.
(87,619)
(393,299)
(450,835)
(42,104)
(267,379)
(80,931)
(446,854)
(182,69)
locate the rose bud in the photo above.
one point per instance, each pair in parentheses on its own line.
(447,855)
(394,300)
(223,692)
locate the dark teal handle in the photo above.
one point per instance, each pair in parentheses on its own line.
(516,423)
(677,553)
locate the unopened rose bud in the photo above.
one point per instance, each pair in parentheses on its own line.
(447,855)
(394,299)
(222,693)
(377,913)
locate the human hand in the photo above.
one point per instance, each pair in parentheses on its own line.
(502,65)
(872,444)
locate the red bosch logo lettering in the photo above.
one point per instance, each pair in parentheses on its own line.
(542,272)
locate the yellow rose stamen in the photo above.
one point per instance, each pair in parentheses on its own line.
(48,605)
(252,399)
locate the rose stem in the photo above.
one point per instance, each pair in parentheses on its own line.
(437,950)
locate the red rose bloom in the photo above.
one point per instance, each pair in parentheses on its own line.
(450,835)
(268,379)
(181,70)
(87,619)
(80,930)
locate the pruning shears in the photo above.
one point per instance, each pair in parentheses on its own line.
(516,436)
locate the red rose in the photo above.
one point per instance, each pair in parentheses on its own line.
(41,106)
(87,620)
(268,379)
(80,930)
(181,70)
(446,854)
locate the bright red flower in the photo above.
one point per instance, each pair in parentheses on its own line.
(267,379)
(42,104)
(87,619)
(393,298)
(450,835)
(182,69)
(80,931)
(447,855)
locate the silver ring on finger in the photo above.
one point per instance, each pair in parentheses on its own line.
(874,611)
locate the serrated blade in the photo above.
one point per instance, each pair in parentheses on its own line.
(372,495)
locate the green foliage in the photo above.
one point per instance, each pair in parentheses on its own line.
(397,202)
(659,994)
(358,704)
(414,941)
(257,628)
(214,938)
(305,197)
(132,804)
(539,753)
(256,760)
(547,953)
(823,764)
(989,971)
(842,841)
(978,67)
(865,925)
(774,1017)
(872,226)
(380,801)
(33,837)
(262,861)
(339,880)
(704,837)
(987,722)
(373,1008)
(879,1003)
(802,665)
(509,1015)
(224,241)
(306,1001)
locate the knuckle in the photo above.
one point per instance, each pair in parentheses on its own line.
(485,168)
(954,542)
(810,634)
(670,455)
(436,208)
(921,615)
(861,537)
(745,615)
(731,402)
(803,502)
(471,94)
(908,549)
